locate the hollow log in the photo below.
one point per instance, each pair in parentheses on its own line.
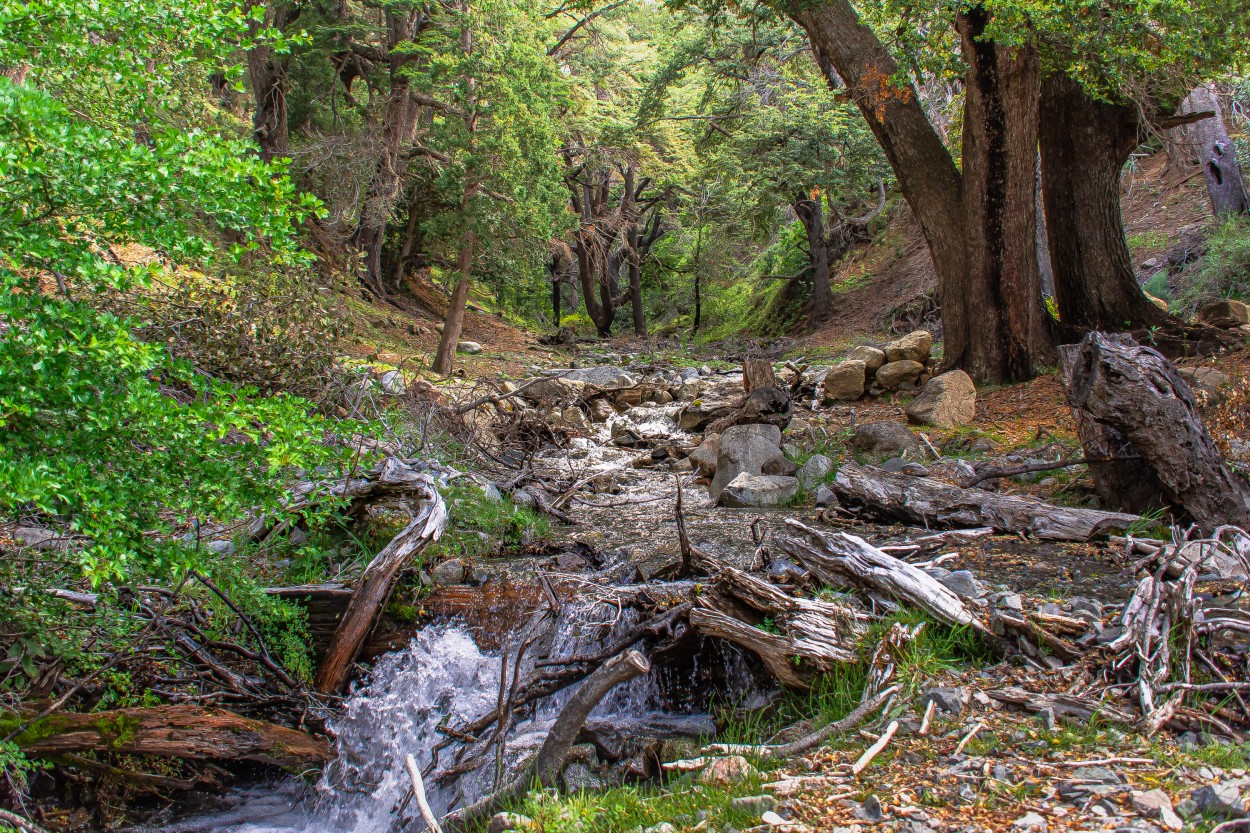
(924,501)
(375,586)
(173,732)
(1130,396)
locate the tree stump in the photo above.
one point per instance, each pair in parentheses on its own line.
(758,373)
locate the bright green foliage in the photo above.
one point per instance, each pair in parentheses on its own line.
(1224,272)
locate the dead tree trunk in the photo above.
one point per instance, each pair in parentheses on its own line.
(1207,143)
(812,215)
(1127,394)
(758,373)
(375,586)
(174,732)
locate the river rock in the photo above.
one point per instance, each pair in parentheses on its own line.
(628,398)
(753,449)
(552,390)
(892,376)
(914,347)
(963,584)
(872,357)
(948,400)
(1156,804)
(1228,314)
(579,778)
(883,439)
(704,457)
(470,348)
(760,491)
(815,470)
(393,384)
(450,571)
(604,377)
(845,382)
(1221,800)
(505,822)
(723,772)
(601,410)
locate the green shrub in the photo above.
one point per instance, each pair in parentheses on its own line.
(1224,272)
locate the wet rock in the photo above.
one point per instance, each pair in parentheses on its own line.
(754,804)
(628,398)
(222,547)
(815,470)
(883,439)
(947,401)
(948,699)
(869,810)
(1228,314)
(749,449)
(844,383)
(504,822)
(450,571)
(1156,804)
(731,769)
(1030,823)
(914,347)
(963,584)
(604,377)
(393,384)
(872,357)
(704,457)
(894,374)
(761,491)
(579,778)
(825,496)
(469,348)
(549,391)
(601,410)
(1221,800)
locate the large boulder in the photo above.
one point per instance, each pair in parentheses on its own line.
(946,401)
(760,491)
(604,377)
(844,383)
(913,347)
(1229,314)
(703,458)
(893,375)
(872,357)
(753,449)
(881,440)
(470,348)
(812,473)
(553,390)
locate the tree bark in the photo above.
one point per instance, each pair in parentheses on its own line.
(174,732)
(1208,143)
(267,74)
(1000,289)
(444,358)
(812,215)
(1084,145)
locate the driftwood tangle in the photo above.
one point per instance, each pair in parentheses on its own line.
(1127,399)
(174,732)
(925,501)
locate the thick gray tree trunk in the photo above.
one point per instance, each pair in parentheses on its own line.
(1206,142)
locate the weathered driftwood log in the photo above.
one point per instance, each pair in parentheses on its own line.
(173,732)
(929,502)
(549,761)
(374,588)
(758,373)
(1068,706)
(839,559)
(1130,396)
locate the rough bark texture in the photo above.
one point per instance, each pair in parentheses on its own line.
(444,357)
(812,216)
(375,586)
(1000,290)
(1206,142)
(1133,391)
(1084,145)
(267,74)
(928,502)
(758,373)
(174,732)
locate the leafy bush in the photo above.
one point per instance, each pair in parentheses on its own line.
(1224,272)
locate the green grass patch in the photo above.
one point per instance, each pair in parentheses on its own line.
(481,526)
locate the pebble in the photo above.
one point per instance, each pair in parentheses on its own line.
(1030,822)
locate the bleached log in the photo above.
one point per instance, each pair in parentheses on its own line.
(1077,709)
(924,501)
(874,750)
(418,793)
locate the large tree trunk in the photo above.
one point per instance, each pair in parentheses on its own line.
(635,282)
(1207,143)
(1084,145)
(1000,290)
(812,215)
(267,74)
(454,325)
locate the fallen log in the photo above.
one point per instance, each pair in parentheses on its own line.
(1080,710)
(173,732)
(547,764)
(924,501)
(375,585)
(1129,399)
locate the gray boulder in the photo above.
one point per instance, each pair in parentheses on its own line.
(758,491)
(604,377)
(703,458)
(393,383)
(946,401)
(845,382)
(884,439)
(894,375)
(914,347)
(815,470)
(450,571)
(754,449)
(471,348)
